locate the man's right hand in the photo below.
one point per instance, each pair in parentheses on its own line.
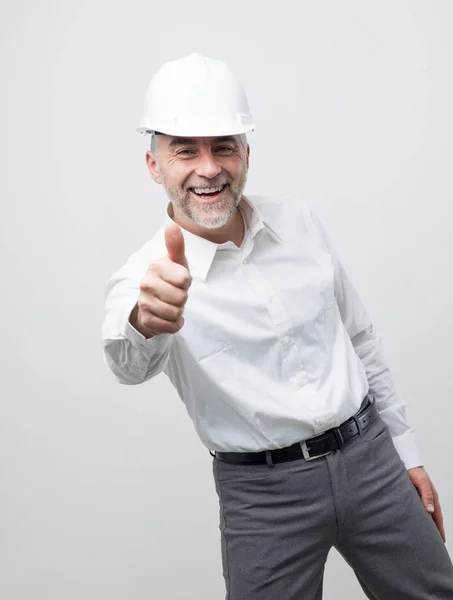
(164,289)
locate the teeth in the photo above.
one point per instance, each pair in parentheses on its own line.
(201,191)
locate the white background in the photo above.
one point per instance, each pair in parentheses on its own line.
(106,492)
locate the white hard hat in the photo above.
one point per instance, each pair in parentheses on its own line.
(196,96)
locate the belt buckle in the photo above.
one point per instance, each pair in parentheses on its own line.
(306,454)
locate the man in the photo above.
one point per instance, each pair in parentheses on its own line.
(246,307)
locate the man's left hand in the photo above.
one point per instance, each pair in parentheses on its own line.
(429,496)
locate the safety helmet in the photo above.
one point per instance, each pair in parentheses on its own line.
(196,96)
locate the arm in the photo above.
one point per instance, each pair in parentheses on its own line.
(368,348)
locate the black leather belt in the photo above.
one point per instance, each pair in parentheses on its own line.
(315,447)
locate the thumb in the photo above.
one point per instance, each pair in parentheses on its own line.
(174,241)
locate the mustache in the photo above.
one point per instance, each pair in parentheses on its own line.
(208,184)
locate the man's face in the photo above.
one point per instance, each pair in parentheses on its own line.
(203,177)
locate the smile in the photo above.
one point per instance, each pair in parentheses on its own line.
(209,195)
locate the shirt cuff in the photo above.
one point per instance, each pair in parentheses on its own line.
(406,447)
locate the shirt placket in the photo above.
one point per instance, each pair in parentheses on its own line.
(281,323)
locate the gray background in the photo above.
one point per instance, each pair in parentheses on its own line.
(106,491)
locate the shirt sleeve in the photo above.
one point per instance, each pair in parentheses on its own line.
(128,354)
(368,348)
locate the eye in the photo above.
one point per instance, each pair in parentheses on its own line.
(224,150)
(186,152)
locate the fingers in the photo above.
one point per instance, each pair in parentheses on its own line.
(430,501)
(175,274)
(429,497)
(176,296)
(169,311)
(154,325)
(166,291)
(161,305)
(438,517)
(164,269)
(426,494)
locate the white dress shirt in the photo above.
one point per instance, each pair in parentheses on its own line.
(276,347)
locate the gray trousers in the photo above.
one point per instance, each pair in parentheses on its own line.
(278,523)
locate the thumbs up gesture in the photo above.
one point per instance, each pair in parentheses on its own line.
(164,289)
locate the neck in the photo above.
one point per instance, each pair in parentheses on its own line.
(232,231)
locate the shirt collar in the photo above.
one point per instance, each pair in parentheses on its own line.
(201,252)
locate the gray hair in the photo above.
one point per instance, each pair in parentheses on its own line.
(153,144)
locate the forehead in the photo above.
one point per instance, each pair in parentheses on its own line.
(200,141)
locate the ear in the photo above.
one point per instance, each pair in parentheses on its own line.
(248,155)
(151,163)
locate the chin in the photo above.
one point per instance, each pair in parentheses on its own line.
(216,220)
(211,224)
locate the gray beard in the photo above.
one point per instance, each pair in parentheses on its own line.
(206,215)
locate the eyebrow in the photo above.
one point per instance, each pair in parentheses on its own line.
(181,141)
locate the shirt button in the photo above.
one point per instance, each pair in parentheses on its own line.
(286,340)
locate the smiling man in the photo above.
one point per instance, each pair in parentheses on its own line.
(245,305)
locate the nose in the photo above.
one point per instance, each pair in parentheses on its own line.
(207,166)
